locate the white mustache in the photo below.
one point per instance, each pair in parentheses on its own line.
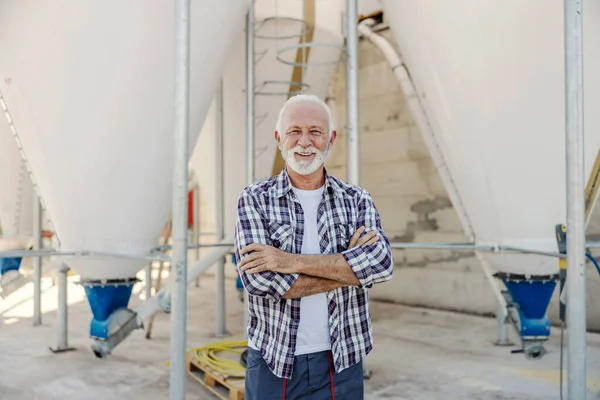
(302,150)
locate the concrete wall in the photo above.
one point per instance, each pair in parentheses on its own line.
(397,170)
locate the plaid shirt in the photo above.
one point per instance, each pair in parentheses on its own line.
(269,213)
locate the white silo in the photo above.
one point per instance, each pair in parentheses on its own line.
(491,80)
(89,87)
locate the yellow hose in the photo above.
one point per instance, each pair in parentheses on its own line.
(207,355)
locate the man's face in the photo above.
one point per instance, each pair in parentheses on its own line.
(305,140)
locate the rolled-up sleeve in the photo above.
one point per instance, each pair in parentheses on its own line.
(372,264)
(251,227)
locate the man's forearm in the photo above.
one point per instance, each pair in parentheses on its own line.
(328,266)
(308,285)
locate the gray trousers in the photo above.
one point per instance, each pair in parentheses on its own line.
(314,378)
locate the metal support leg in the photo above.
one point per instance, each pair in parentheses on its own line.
(180,202)
(148,280)
(249,119)
(576,307)
(246,314)
(221,325)
(352,123)
(502,327)
(220,211)
(62,338)
(37,261)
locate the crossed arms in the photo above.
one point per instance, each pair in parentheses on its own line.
(317,273)
(272,273)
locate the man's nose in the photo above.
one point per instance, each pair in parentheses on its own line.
(305,139)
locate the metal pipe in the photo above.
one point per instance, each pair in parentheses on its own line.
(249,120)
(37,261)
(83,253)
(352,116)
(352,120)
(442,246)
(62,332)
(180,200)
(576,307)
(196,246)
(220,209)
(250,94)
(162,299)
(474,247)
(512,249)
(394,245)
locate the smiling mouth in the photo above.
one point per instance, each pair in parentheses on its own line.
(305,154)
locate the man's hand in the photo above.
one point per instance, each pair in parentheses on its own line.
(266,258)
(369,239)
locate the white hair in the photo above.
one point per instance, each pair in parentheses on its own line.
(306,99)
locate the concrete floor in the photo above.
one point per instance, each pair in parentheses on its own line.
(419,354)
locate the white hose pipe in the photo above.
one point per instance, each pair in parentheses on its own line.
(162,299)
(420,118)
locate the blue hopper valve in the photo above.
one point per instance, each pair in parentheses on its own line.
(11,278)
(527,300)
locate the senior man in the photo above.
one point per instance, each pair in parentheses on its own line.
(308,246)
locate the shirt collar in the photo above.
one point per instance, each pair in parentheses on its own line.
(283,184)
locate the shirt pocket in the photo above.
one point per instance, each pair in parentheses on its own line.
(281,236)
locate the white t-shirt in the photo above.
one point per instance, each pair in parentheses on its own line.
(313,330)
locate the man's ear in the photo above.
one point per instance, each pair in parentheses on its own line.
(332,138)
(278,139)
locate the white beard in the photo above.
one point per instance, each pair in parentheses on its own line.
(304,167)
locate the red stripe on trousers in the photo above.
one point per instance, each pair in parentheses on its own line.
(284,387)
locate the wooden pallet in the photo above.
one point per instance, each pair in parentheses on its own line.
(222,387)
